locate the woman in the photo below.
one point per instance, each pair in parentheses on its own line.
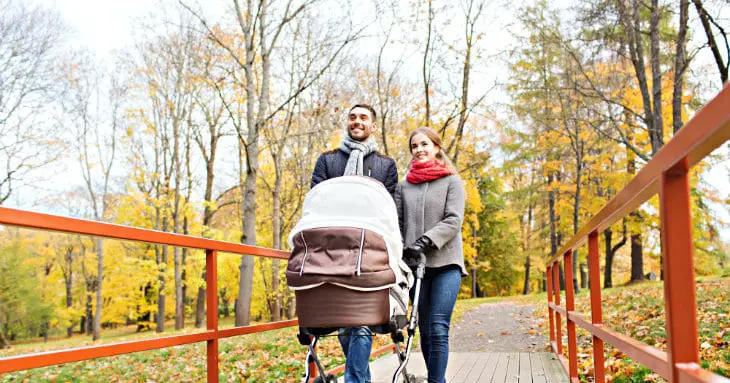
(430,205)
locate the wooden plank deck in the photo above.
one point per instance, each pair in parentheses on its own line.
(481,367)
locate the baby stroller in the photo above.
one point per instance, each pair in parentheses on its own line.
(346,269)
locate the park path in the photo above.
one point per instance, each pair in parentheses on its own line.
(498,327)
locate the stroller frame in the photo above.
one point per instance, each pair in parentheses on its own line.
(396,334)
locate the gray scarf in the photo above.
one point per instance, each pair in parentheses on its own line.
(358,151)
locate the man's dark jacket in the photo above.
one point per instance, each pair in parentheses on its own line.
(375,165)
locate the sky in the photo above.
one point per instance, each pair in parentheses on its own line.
(100,25)
(104,26)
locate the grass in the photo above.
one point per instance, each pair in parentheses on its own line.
(638,311)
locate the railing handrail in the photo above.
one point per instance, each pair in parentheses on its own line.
(56,223)
(667,174)
(42,221)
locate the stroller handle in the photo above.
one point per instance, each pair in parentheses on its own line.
(418,266)
(421,267)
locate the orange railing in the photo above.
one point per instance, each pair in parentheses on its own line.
(211,335)
(668,175)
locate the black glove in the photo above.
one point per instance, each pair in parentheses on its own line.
(412,253)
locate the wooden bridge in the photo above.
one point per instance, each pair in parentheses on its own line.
(666,174)
(482,367)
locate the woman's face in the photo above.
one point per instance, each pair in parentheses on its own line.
(422,148)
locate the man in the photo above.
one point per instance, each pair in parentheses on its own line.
(357,155)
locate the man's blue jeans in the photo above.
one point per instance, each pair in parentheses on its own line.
(356,342)
(439,290)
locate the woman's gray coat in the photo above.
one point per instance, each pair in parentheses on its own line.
(434,209)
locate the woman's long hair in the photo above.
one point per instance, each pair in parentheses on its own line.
(434,137)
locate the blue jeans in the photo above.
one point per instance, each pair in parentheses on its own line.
(439,289)
(356,343)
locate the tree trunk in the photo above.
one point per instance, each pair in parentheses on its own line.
(576,204)
(608,271)
(706,20)
(161,298)
(291,308)
(3,342)
(69,303)
(276,223)
(680,64)
(474,282)
(583,276)
(526,285)
(176,256)
(471,17)
(184,275)
(89,321)
(637,258)
(657,133)
(553,217)
(143,317)
(69,278)
(207,212)
(243,302)
(99,277)
(224,303)
(554,237)
(661,268)
(426,73)
(179,302)
(200,307)
(576,287)
(248,216)
(383,94)
(632,26)
(186,218)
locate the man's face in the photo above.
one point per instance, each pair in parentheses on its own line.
(360,124)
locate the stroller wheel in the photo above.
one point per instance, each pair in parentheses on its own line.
(411,378)
(326,379)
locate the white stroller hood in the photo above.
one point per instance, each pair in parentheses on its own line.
(351,201)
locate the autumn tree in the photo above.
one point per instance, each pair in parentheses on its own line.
(251,45)
(30,46)
(93,110)
(208,128)
(164,65)
(23,310)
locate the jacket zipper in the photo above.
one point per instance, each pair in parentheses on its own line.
(306,251)
(359,257)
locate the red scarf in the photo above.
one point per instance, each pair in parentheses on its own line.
(427,171)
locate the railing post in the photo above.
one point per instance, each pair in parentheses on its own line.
(551,313)
(570,308)
(596,306)
(211,289)
(678,258)
(556,299)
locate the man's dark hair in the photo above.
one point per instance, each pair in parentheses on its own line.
(366,106)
